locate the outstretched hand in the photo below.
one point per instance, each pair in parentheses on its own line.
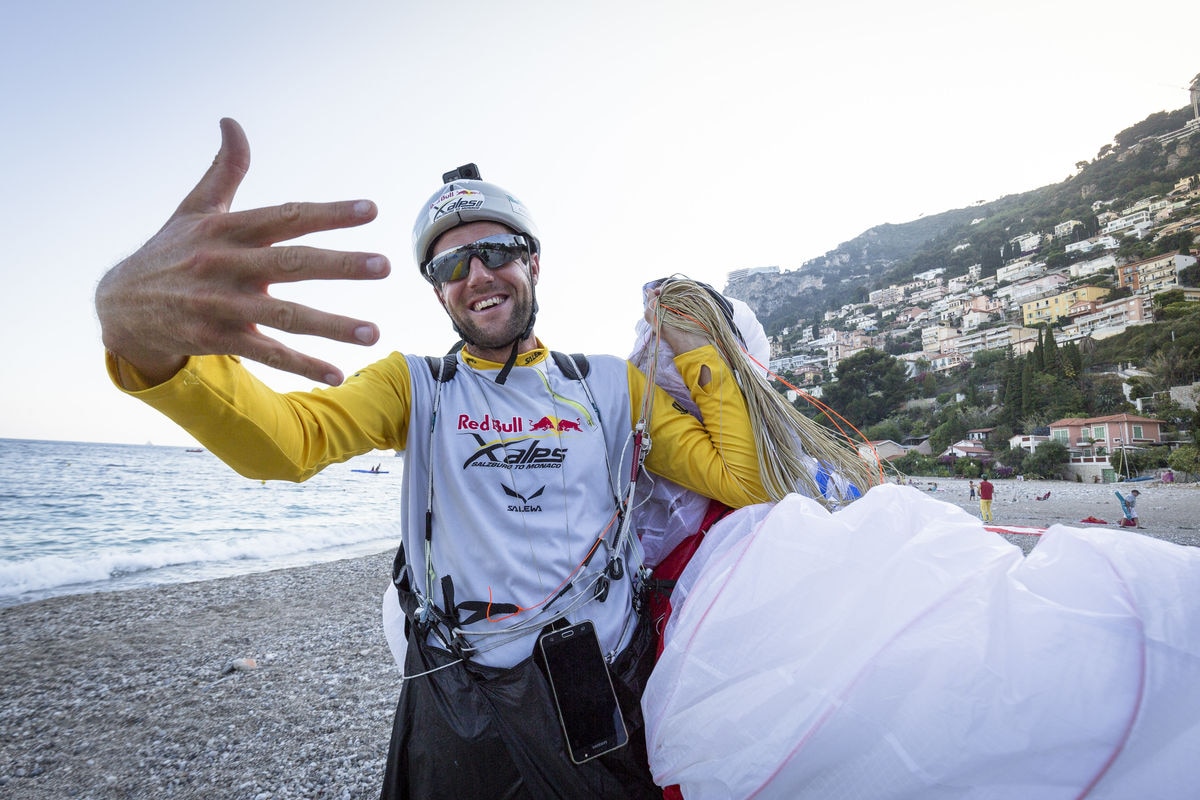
(200,285)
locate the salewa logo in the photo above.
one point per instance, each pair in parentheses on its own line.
(519,454)
(489,423)
(527,506)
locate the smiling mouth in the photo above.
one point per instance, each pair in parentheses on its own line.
(490,302)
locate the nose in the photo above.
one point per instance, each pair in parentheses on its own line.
(477,272)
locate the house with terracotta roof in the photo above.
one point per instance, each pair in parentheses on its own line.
(1107,433)
(1091,441)
(968,448)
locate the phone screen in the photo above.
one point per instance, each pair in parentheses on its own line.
(583,691)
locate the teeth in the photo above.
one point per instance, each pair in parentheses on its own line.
(491,301)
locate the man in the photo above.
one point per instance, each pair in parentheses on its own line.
(985,499)
(514,460)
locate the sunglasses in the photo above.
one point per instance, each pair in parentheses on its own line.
(493,251)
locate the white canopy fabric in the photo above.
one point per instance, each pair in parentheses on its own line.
(896,649)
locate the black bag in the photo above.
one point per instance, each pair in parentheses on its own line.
(470,730)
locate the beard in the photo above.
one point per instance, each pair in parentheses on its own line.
(513,329)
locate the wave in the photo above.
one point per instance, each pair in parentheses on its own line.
(196,558)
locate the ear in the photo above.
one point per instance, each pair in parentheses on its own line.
(535,268)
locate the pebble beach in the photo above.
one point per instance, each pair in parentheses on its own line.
(280,684)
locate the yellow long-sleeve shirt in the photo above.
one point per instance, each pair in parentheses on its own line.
(265,434)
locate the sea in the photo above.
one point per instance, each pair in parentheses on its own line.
(82,517)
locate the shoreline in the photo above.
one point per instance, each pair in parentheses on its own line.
(130,694)
(133,694)
(1167,511)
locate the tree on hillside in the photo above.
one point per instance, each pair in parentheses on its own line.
(1104,395)
(870,385)
(1050,357)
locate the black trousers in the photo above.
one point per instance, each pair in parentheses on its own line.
(470,731)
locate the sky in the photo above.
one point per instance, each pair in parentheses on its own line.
(647,138)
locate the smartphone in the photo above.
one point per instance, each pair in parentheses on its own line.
(583,692)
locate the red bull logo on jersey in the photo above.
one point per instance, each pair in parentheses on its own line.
(489,423)
(557,425)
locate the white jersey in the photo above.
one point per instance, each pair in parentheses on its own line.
(525,476)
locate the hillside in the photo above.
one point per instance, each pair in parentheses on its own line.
(1134,166)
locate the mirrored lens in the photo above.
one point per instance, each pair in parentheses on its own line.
(493,251)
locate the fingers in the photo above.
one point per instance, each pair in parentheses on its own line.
(215,191)
(276,355)
(258,268)
(259,227)
(300,319)
(231,325)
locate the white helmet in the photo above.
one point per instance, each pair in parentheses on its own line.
(465,198)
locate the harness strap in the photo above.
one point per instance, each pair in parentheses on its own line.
(422,611)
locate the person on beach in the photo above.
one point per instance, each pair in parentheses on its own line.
(972,486)
(985,499)
(1131,514)
(514,458)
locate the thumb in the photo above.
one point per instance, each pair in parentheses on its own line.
(214,193)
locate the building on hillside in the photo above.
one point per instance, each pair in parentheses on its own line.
(1085,269)
(882,450)
(886,297)
(1172,228)
(1161,271)
(1128,221)
(1027,442)
(846,344)
(1088,245)
(959,283)
(1017,293)
(979,311)
(1028,242)
(946,362)
(1021,339)
(968,449)
(979,434)
(1161,274)
(927,294)
(746,272)
(1020,270)
(937,338)
(1109,319)
(1064,229)
(1048,310)
(912,314)
(918,443)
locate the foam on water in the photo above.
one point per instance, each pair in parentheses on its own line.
(79,517)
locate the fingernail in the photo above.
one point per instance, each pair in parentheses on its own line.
(365,334)
(376,264)
(333,379)
(363,208)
